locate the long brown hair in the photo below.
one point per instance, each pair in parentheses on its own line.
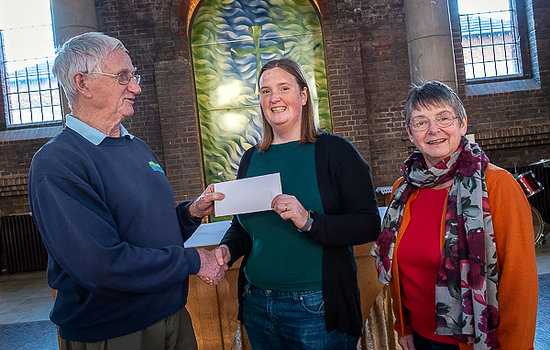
(309,130)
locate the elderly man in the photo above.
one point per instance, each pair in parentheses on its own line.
(106,212)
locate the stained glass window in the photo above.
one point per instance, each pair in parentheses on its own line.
(230,41)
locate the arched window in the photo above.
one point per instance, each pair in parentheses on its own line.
(230,42)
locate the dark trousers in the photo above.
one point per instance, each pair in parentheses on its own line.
(175,332)
(421,343)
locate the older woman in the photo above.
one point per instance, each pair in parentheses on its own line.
(457,242)
(297,283)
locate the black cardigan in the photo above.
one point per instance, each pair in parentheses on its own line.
(351,217)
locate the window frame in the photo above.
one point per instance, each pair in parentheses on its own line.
(4,103)
(4,99)
(517,7)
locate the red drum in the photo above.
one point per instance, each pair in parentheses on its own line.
(529,184)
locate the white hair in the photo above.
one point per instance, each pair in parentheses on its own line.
(82,53)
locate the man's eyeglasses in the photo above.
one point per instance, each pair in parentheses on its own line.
(423,123)
(122,78)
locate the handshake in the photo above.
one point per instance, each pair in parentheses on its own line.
(213,264)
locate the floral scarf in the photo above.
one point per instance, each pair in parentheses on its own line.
(467,281)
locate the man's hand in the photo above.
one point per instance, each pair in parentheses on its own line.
(210,272)
(204,204)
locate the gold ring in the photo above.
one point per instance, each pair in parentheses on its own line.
(286,207)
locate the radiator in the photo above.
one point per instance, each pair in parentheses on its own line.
(22,245)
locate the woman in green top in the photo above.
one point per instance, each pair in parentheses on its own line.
(298,284)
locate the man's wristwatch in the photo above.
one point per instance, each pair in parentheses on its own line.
(308,223)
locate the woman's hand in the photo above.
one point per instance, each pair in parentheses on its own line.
(289,208)
(222,254)
(407,342)
(204,204)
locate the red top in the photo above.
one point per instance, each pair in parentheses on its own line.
(419,254)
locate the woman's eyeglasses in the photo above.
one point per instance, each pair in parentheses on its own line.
(423,123)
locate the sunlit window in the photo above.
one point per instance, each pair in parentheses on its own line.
(490,39)
(30,91)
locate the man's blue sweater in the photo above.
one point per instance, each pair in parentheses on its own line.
(115,239)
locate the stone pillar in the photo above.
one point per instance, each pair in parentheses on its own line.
(431,52)
(70,18)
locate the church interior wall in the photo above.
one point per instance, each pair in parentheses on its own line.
(368,79)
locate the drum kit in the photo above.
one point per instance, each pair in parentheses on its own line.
(531,186)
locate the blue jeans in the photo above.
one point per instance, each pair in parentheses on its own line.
(276,320)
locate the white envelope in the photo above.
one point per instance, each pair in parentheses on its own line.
(208,234)
(247,195)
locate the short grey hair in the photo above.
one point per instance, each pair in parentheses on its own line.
(82,53)
(433,93)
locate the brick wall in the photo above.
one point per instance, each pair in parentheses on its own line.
(165,112)
(386,79)
(368,77)
(15,160)
(132,23)
(368,74)
(512,126)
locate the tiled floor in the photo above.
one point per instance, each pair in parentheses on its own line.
(24,297)
(543,257)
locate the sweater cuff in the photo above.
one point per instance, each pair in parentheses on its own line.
(195,260)
(187,214)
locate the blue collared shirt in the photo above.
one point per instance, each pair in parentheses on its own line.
(89,133)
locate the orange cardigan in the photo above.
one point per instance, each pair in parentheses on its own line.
(518,280)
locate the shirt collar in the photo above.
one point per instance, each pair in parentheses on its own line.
(89,133)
